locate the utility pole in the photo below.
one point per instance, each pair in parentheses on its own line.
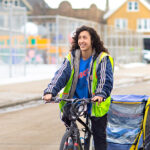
(107,5)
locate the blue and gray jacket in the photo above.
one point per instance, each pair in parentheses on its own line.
(101,73)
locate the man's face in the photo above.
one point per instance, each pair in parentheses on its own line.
(84,41)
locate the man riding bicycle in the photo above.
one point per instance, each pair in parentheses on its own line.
(87,72)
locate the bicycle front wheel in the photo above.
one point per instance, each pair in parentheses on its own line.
(88,143)
(68,143)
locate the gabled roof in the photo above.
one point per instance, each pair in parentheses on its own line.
(145,3)
(42,3)
(27,4)
(110,12)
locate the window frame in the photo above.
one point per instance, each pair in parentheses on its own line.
(143,25)
(123,23)
(133,6)
(10,2)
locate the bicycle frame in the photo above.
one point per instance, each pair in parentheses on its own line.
(73,130)
(75,133)
(88,132)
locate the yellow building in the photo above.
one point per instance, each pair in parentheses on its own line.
(134,15)
(131,14)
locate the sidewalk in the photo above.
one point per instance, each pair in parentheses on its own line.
(131,73)
(17,93)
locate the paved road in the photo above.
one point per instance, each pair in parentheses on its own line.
(39,128)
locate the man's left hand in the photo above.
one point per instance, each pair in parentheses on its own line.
(97,98)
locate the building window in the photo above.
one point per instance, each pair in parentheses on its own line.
(16,3)
(133,6)
(121,23)
(143,25)
(130,5)
(5,2)
(52,27)
(11,2)
(1,21)
(139,24)
(117,23)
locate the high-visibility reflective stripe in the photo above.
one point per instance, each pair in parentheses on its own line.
(94,80)
(65,93)
(95,75)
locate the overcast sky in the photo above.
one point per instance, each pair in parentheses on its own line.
(86,3)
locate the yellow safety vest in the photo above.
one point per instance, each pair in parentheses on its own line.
(97,110)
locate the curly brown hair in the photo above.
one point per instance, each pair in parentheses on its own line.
(97,44)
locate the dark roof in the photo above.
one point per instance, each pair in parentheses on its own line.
(42,3)
(148,1)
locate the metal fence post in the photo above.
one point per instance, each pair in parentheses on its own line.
(10,40)
(57,39)
(25,41)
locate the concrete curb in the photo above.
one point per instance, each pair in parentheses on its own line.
(19,102)
(35,98)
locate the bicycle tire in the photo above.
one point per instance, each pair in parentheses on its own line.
(89,145)
(64,142)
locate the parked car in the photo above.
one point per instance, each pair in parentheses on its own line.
(146,56)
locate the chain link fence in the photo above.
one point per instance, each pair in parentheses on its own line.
(12,41)
(58,31)
(47,40)
(124,45)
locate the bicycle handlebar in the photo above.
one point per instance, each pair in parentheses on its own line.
(57,100)
(72,100)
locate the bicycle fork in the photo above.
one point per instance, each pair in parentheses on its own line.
(76,138)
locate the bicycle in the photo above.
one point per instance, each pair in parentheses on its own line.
(72,139)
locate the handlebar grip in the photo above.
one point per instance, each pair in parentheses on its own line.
(53,99)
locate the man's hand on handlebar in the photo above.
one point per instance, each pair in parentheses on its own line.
(47,97)
(97,98)
(50,99)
